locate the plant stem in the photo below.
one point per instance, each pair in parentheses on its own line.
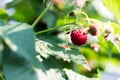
(41,15)
(1,76)
(86,16)
(54,28)
(98,74)
(81,12)
(50,29)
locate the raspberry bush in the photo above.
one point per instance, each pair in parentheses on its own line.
(59,40)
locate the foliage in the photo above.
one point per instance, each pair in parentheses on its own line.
(39,47)
(114,6)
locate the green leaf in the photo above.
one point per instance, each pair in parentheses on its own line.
(51,74)
(20,39)
(49,46)
(71,75)
(24,10)
(1,49)
(3,14)
(114,6)
(65,74)
(16,68)
(50,19)
(69,7)
(2,23)
(116,27)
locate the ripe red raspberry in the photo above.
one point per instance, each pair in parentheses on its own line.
(78,37)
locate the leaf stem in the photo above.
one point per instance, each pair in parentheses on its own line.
(41,15)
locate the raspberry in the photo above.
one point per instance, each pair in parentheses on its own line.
(93,30)
(72,14)
(78,37)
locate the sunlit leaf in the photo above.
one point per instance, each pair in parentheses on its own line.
(3,14)
(65,74)
(51,74)
(49,46)
(20,39)
(116,27)
(114,6)
(75,76)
